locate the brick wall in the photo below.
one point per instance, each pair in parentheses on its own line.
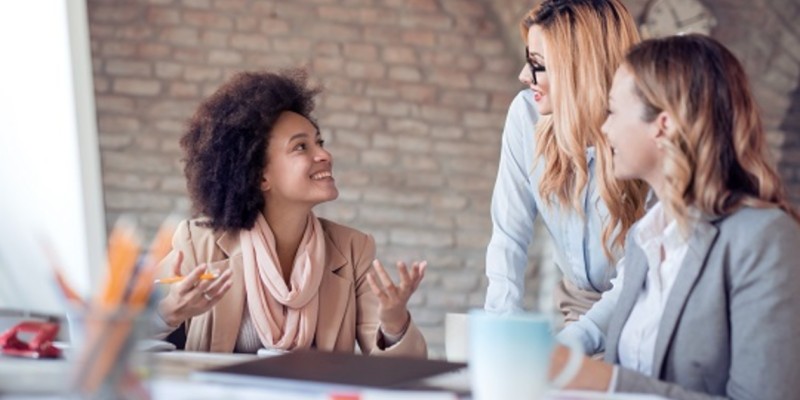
(414,103)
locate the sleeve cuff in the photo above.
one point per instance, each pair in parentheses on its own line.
(612,384)
(160,329)
(390,340)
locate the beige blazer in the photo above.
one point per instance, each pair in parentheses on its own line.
(348,311)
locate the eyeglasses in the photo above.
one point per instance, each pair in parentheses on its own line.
(535,67)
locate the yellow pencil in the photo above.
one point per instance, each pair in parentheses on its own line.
(175,279)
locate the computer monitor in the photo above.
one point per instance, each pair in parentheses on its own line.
(50,188)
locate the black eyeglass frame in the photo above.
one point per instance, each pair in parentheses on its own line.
(534,67)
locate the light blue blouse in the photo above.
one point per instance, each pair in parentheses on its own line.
(516,203)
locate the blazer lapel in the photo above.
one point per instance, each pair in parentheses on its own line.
(227,314)
(700,243)
(635,275)
(334,295)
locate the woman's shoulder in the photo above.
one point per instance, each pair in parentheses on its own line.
(751,220)
(751,230)
(197,230)
(344,236)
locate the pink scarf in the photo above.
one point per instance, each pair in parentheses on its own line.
(267,292)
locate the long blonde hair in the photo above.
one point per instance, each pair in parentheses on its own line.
(586,40)
(716,154)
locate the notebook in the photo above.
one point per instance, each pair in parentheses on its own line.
(320,372)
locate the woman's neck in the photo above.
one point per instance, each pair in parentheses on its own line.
(288,226)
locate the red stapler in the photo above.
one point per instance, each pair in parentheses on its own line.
(40,346)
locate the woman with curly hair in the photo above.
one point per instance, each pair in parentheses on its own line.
(711,293)
(255,169)
(553,171)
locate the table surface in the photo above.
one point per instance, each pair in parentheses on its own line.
(38,379)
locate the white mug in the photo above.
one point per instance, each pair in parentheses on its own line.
(456,337)
(509,356)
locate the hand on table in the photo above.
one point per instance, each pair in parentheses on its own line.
(593,374)
(392,311)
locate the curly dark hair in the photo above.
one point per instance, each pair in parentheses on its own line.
(226,143)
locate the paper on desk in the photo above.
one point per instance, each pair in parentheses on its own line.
(405,395)
(193,390)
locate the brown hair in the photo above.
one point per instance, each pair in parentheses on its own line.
(585,40)
(716,153)
(226,143)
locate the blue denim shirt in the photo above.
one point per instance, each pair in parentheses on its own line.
(516,203)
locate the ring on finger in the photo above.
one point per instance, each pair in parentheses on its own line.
(207,296)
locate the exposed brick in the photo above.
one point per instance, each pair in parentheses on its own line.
(113,142)
(168,70)
(351,139)
(153,50)
(365,70)
(399,55)
(214,39)
(418,92)
(341,120)
(128,68)
(181,89)
(196,3)
(407,126)
(130,181)
(464,99)
(419,38)
(137,87)
(460,7)
(110,103)
(293,10)
(114,13)
(436,22)
(206,19)
(196,73)
(122,49)
(291,45)
(254,42)
(361,51)
(163,16)
(117,124)
(180,36)
(231,5)
(406,74)
(419,162)
(449,78)
(274,26)
(224,57)
(377,158)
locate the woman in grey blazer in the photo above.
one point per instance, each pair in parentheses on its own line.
(710,305)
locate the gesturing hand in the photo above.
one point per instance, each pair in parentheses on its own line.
(392,311)
(192,295)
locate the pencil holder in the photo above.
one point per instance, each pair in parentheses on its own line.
(107,363)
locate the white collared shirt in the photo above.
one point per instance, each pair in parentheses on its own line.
(638,338)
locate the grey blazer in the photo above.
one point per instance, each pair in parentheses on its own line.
(731,325)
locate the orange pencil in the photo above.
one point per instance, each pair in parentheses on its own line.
(175,279)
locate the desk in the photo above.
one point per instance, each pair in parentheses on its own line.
(33,379)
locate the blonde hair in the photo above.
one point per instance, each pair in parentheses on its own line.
(716,154)
(586,40)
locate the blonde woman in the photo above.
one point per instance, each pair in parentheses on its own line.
(573,48)
(712,288)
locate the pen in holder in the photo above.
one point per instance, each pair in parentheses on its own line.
(104,329)
(107,365)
